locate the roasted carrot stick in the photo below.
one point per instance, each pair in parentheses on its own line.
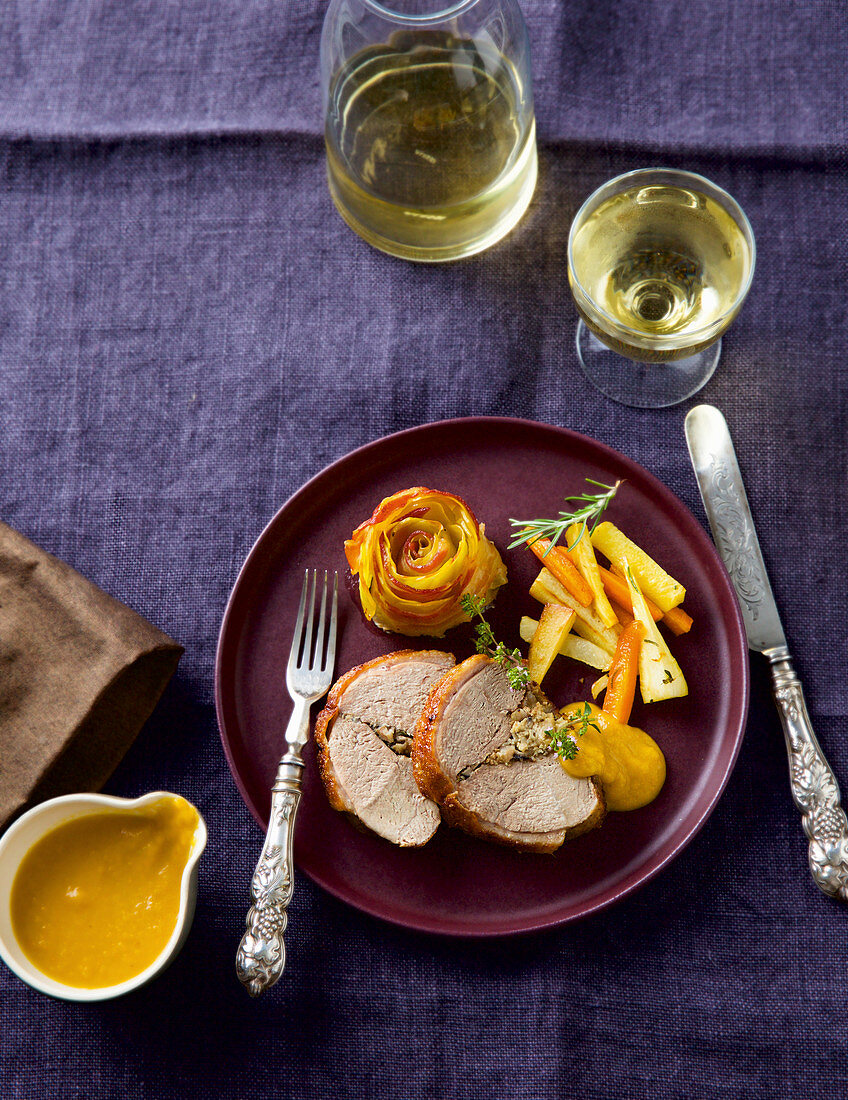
(677,621)
(616,588)
(623,614)
(624,670)
(564,569)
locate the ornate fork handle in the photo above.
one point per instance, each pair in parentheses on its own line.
(262,954)
(814,786)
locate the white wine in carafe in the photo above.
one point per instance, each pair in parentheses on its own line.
(431,151)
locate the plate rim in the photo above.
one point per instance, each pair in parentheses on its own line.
(633,881)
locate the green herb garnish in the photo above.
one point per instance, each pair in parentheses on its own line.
(484,642)
(591,507)
(564,740)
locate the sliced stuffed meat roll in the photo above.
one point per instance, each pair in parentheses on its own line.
(482,752)
(364,737)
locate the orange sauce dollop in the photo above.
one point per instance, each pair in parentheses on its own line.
(95,900)
(628,762)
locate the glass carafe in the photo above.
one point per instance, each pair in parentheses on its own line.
(429,125)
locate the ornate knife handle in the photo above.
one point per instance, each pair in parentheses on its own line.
(262,954)
(814,785)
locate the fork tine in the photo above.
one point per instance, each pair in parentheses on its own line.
(298,624)
(330,658)
(322,626)
(309,629)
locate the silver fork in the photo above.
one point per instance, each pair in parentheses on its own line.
(262,954)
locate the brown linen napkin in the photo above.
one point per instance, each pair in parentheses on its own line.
(80,674)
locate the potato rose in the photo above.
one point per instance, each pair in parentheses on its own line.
(416,557)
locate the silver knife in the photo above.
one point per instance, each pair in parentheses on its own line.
(814,786)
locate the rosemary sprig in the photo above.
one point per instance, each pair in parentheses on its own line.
(591,507)
(485,642)
(564,740)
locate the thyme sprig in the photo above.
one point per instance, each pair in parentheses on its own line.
(485,642)
(591,506)
(564,740)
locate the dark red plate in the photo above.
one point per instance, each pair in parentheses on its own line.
(502,468)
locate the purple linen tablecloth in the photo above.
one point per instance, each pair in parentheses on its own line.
(188,332)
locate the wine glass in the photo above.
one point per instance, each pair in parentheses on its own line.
(659,263)
(429,123)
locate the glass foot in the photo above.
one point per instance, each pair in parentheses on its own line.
(643,385)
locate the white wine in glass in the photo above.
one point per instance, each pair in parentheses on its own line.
(659,263)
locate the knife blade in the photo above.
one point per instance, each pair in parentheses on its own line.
(813,784)
(726,503)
